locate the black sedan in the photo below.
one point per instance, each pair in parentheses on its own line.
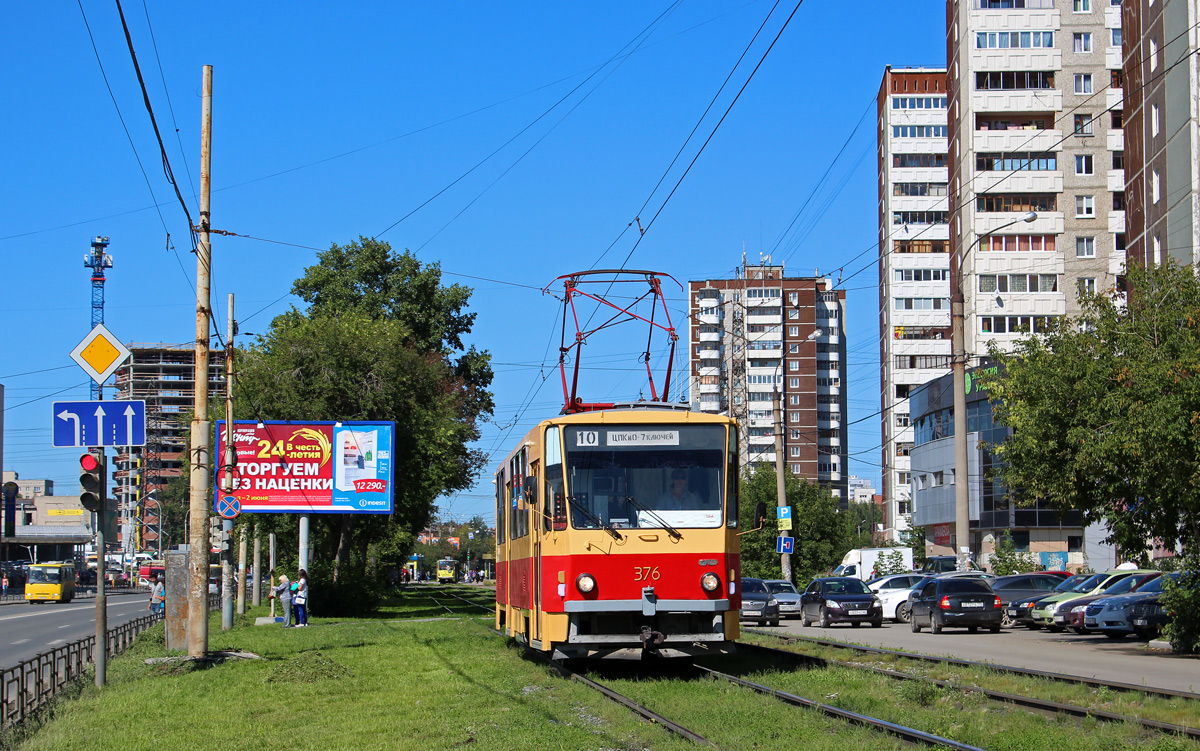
(969,603)
(840,599)
(758,604)
(1022,587)
(1017,611)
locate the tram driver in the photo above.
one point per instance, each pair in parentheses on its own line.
(677,496)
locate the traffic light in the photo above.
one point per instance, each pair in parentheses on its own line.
(214,532)
(91,480)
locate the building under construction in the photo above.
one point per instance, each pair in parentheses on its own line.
(163,375)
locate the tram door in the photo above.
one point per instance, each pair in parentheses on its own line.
(535,532)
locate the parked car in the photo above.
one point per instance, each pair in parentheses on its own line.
(1112,616)
(940,564)
(1147,617)
(840,599)
(893,592)
(956,601)
(786,595)
(1018,611)
(1077,613)
(758,604)
(1023,587)
(1050,611)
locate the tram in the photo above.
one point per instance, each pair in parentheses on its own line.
(446,570)
(617,534)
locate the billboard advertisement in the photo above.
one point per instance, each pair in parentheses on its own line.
(309,467)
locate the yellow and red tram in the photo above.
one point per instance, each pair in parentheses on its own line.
(616,534)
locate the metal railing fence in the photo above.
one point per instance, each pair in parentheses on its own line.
(30,684)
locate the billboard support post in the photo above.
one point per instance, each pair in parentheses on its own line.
(303,552)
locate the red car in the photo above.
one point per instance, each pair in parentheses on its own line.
(1125,586)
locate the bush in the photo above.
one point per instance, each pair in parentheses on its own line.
(354,594)
(891,563)
(1181,599)
(1006,560)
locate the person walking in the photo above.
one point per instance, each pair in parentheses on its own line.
(300,599)
(158,596)
(283,593)
(4,584)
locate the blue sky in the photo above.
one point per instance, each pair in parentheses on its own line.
(332,121)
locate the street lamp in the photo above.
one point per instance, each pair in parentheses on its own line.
(958,364)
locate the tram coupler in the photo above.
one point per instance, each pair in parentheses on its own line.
(650,641)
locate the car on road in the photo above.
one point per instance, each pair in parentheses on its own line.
(1019,587)
(1112,616)
(840,599)
(893,592)
(1077,613)
(1053,611)
(758,604)
(786,595)
(956,601)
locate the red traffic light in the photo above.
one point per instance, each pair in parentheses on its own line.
(89,462)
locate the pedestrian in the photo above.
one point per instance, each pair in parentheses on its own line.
(300,599)
(4,584)
(283,593)
(158,596)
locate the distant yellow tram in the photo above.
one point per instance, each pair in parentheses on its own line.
(446,569)
(617,534)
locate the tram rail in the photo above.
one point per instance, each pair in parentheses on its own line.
(1041,705)
(1165,693)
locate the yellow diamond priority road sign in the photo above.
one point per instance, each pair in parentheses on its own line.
(100,353)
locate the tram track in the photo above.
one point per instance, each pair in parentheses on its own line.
(1164,693)
(909,735)
(1026,702)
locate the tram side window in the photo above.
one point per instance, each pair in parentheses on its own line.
(518,467)
(554,514)
(731,480)
(501,517)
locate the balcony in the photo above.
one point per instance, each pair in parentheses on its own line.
(1029,181)
(1116,180)
(1016,59)
(1116,222)
(1039,100)
(1112,58)
(1016,140)
(1116,140)
(1047,223)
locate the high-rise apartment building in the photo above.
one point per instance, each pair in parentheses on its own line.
(765,331)
(1162,129)
(1034,204)
(914,264)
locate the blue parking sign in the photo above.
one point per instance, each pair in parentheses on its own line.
(783,512)
(784,544)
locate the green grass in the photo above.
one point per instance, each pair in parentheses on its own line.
(349,684)
(1177,711)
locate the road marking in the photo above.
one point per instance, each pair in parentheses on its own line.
(67,625)
(58,641)
(20,641)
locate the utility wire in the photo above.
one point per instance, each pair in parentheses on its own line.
(120,116)
(535,121)
(167,93)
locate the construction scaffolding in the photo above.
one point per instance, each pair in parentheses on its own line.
(163,376)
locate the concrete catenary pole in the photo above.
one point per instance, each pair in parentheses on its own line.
(199,458)
(785,559)
(227,463)
(256,583)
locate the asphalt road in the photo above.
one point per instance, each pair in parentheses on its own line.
(26,630)
(1095,656)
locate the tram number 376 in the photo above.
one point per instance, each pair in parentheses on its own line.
(646,573)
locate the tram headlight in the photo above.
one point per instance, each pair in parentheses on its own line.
(585,583)
(710,582)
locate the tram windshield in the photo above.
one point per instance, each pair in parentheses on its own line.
(645,476)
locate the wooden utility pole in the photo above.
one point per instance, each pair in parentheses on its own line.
(227,463)
(199,458)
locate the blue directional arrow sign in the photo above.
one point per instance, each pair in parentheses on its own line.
(784,544)
(98,423)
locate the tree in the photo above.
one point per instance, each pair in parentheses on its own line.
(1006,560)
(914,537)
(381,339)
(1105,410)
(819,530)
